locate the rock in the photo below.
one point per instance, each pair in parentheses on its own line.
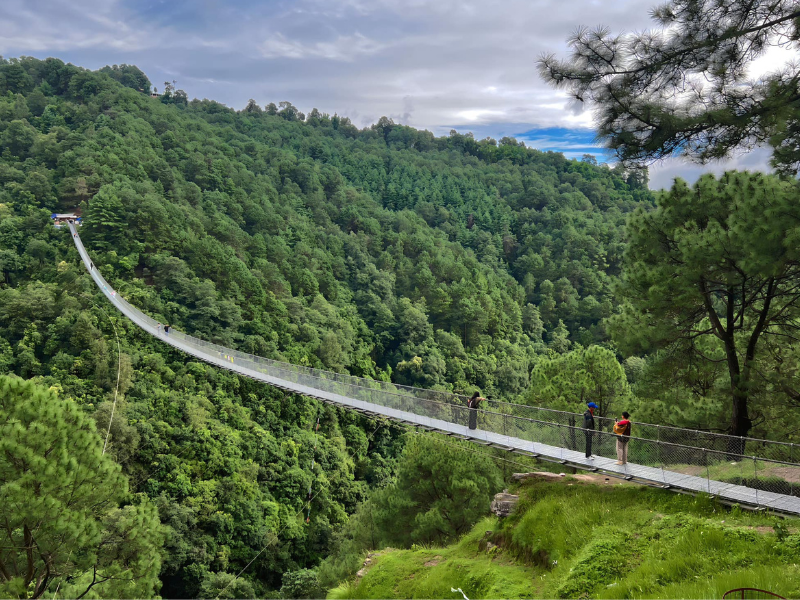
(504,504)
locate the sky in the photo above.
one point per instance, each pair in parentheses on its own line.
(431,64)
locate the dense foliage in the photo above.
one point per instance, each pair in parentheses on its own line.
(385,252)
(60,505)
(713,280)
(440,491)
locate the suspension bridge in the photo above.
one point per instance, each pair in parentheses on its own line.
(680,460)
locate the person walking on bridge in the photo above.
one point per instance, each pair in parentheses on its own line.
(472,404)
(588,427)
(622,429)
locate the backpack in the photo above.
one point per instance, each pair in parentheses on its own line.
(619,428)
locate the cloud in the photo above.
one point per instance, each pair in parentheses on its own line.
(346,47)
(35,26)
(439,62)
(663,174)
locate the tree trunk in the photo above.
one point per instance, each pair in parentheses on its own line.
(740,422)
(740,419)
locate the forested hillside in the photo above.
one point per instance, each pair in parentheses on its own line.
(386,252)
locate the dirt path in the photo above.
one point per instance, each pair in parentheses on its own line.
(592,478)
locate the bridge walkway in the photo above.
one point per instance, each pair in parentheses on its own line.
(549,441)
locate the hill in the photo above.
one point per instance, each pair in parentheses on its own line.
(571,539)
(385,252)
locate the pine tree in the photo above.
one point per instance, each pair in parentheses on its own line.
(59,504)
(717,262)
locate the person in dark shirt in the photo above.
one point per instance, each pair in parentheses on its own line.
(588,426)
(472,404)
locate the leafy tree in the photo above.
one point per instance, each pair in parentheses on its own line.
(105,215)
(14,78)
(718,261)
(252,107)
(439,493)
(225,586)
(686,88)
(569,381)
(301,584)
(59,502)
(18,137)
(129,76)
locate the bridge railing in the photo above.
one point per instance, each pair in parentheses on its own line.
(661,447)
(767,449)
(712,465)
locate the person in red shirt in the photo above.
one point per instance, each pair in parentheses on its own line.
(622,429)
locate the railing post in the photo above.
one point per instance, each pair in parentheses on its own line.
(755,477)
(708,475)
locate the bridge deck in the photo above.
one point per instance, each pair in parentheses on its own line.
(222,357)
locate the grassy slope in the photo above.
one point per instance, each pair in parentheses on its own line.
(570,540)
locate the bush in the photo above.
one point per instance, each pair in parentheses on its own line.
(301,584)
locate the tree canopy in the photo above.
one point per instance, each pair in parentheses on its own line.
(569,381)
(714,273)
(385,252)
(688,87)
(60,505)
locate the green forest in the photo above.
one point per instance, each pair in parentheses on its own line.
(447,263)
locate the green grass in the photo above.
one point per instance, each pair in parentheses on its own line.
(723,471)
(784,580)
(404,574)
(570,540)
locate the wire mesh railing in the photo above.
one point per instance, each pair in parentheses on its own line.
(682,458)
(766,449)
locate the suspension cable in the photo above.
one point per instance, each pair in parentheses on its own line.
(119,371)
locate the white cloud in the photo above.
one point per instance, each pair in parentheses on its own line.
(67,26)
(663,174)
(431,63)
(346,48)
